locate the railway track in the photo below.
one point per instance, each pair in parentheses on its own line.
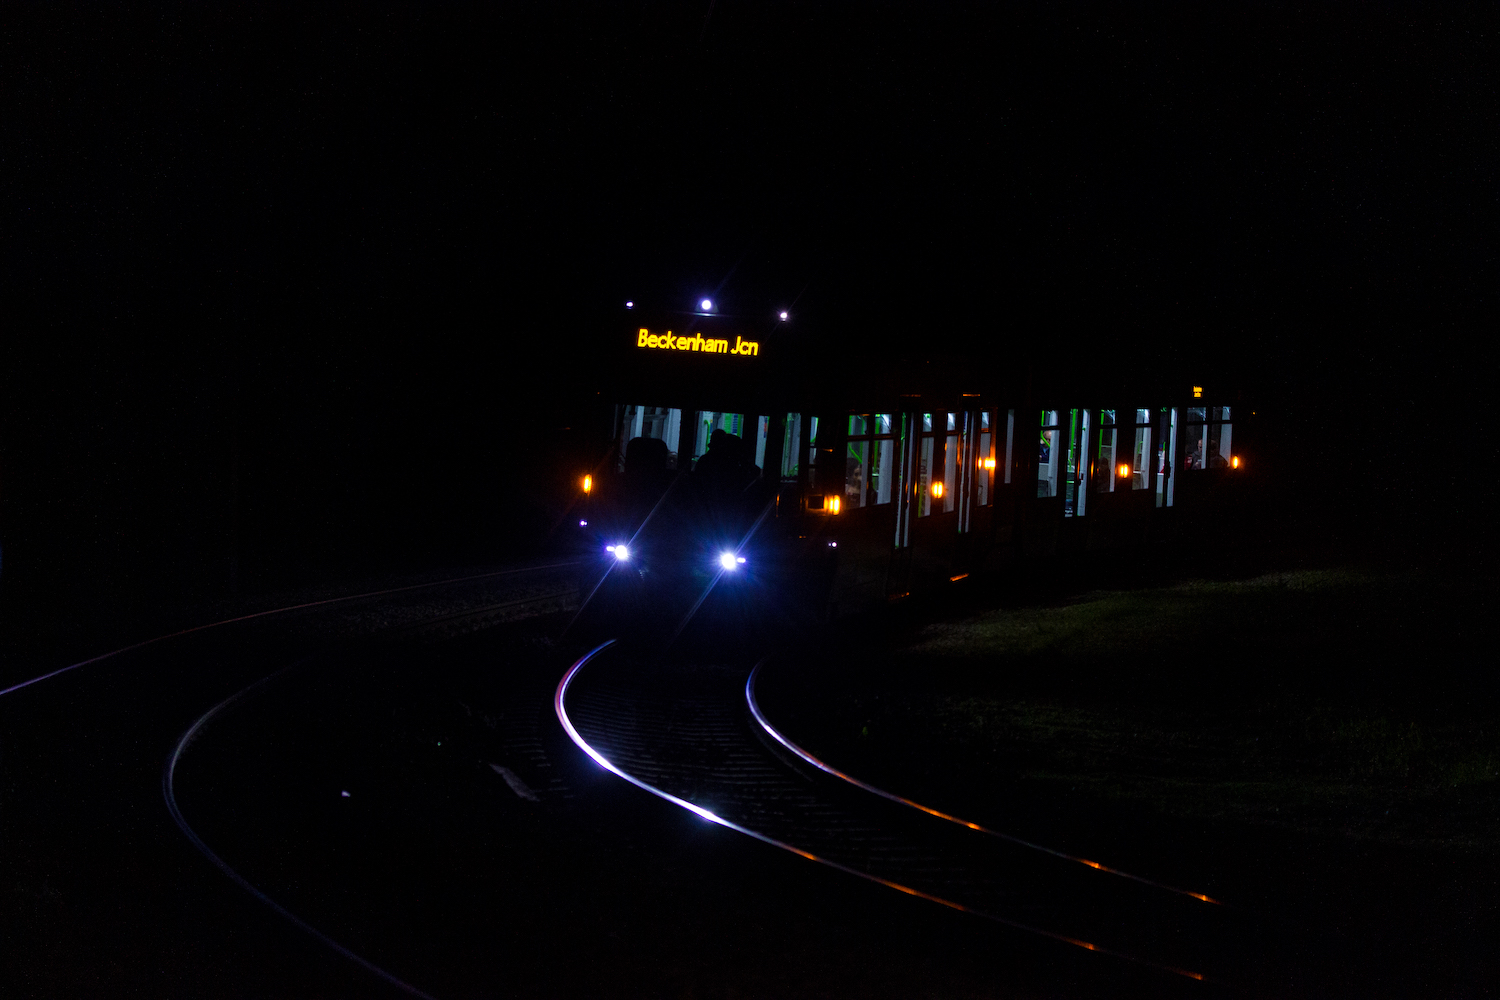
(687,734)
(441,626)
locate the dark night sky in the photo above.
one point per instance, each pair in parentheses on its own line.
(317,243)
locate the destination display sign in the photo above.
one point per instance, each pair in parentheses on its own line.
(670,341)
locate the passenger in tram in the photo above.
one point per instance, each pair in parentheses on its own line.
(726,467)
(1194,458)
(854,483)
(646,472)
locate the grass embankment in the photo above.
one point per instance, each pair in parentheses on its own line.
(1331,702)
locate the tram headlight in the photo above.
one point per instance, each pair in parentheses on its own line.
(730,561)
(621,551)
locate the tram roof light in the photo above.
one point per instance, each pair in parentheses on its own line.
(783,315)
(629,305)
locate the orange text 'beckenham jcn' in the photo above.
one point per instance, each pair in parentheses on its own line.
(697,342)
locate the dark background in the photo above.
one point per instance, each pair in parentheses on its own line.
(297,292)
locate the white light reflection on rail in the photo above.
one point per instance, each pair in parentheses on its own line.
(559,706)
(892,796)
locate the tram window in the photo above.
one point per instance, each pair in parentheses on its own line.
(870,460)
(1194,426)
(657,422)
(1010,441)
(762,429)
(924,468)
(1219,432)
(857,461)
(714,420)
(812,453)
(1049,461)
(950,464)
(790,443)
(1103,471)
(883,459)
(1140,462)
(1166,426)
(984,456)
(1075,501)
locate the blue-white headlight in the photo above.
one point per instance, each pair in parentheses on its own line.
(730,561)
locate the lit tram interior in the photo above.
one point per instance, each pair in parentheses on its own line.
(723,463)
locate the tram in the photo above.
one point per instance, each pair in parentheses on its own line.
(737,464)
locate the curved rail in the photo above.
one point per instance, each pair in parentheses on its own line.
(274,611)
(559,705)
(776,735)
(169,772)
(169,792)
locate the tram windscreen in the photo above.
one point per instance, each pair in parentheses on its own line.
(658,423)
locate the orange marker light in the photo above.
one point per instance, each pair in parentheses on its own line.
(833,504)
(1124,471)
(937,489)
(588,483)
(1234,462)
(989,463)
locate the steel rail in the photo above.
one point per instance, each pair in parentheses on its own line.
(559,706)
(169,791)
(275,611)
(779,737)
